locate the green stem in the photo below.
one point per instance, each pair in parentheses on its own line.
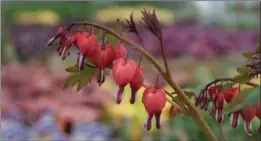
(168,73)
(195,113)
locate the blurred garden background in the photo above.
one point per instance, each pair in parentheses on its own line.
(204,40)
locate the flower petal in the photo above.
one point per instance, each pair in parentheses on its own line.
(234,119)
(248,127)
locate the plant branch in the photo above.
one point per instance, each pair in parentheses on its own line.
(180,108)
(123,39)
(195,113)
(230,80)
(222,132)
(219,127)
(168,73)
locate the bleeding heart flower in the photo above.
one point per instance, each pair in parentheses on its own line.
(80,61)
(234,118)
(154,101)
(122,73)
(81,34)
(59,34)
(248,115)
(86,46)
(219,115)
(121,52)
(102,57)
(136,83)
(230,93)
(67,45)
(214,91)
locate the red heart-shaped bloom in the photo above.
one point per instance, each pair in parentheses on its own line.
(81,34)
(214,91)
(230,93)
(102,57)
(154,101)
(122,73)
(67,45)
(248,115)
(121,52)
(136,83)
(85,44)
(219,105)
(234,118)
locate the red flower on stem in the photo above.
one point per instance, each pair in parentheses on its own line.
(136,83)
(67,45)
(102,57)
(229,94)
(122,73)
(121,52)
(154,101)
(248,115)
(219,105)
(86,46)
(214,91)
(59,34)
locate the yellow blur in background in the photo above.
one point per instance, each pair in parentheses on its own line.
(41,16)
(165,16)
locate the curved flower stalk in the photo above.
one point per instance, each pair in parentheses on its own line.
(125,72)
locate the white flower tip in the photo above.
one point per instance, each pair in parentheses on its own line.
(248,128)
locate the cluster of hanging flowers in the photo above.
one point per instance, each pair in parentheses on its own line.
(104,55)
(124,71)
(219,98)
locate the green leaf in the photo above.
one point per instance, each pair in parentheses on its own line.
(242,78)
(248,55)
(227,86)
(99,35)
(81,78)
(117,27)
(72,69)
(199,88)
(242,70)
(253,98)
(243,99)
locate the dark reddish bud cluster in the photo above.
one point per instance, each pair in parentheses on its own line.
(219,98)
